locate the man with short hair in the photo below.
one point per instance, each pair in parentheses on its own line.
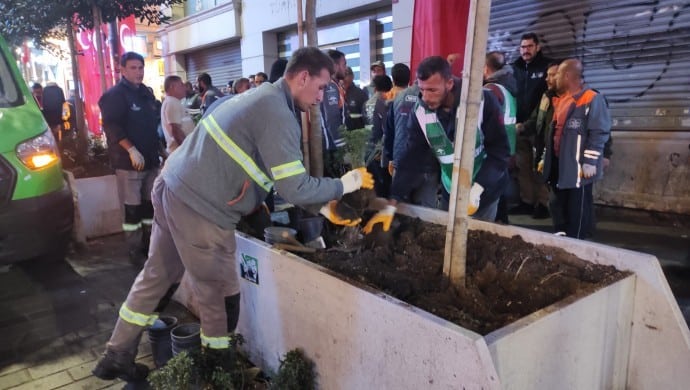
(401,80)
(428,154)
(174,119)
(354,100)
(37,93)
(333,116)
(530,74)
(575,150)
(207,91)
(223,171)
(130,120)
(260,78)
(499,79)
(241,85)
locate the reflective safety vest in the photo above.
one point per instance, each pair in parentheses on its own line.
(509,111)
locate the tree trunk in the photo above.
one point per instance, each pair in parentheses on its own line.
(114,37)
(82,131)
(316,132)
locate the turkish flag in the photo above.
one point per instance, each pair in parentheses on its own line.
(439,28)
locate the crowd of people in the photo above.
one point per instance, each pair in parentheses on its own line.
(540,128)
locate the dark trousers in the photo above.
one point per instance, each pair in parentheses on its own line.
(571,210)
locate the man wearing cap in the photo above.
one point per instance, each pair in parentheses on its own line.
(377,69)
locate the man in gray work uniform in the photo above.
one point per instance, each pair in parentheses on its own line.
(223,171)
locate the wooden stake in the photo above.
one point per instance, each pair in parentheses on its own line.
(465,135)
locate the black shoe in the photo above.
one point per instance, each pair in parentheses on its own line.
(120,365)
(540,212)
(522,208)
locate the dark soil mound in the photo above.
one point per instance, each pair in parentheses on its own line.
(507,278)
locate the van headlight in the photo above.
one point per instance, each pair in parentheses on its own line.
(39,152)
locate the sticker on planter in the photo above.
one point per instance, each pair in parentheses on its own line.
(249,268)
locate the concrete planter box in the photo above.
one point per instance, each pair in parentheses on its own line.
(630,334)
(97,206)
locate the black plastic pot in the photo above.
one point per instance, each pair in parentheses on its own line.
(159,337)
(186,337)
(309,228)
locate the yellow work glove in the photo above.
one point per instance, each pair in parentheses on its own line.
(391,168)
(540,166)
(356,179)
(328,211)
(384,217)
(475,196)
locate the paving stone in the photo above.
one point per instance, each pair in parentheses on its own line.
(91,383)
(82,371)
(47,383)
(61,364)
(14,367)
(14,379)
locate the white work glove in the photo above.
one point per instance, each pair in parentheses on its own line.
(588,170)
(475,196)
(384,217)
(136,157)
(328,211)
(356,179)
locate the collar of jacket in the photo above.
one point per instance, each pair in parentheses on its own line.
(130,85)
(538,59)
(282,85)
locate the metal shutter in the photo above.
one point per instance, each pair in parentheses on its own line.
(635,53)
(223,63)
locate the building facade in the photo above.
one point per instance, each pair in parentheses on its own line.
(635,54)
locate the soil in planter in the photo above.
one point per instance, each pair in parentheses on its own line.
(507,278)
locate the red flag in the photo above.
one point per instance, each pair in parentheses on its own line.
(88,66)
(439,28)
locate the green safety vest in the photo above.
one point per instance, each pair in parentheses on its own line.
(509,110)
(443,148)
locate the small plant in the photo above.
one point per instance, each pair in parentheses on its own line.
(222,369)
(296,372)
(356,146)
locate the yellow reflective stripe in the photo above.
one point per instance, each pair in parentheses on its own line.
(147,221)
(222,342)
(236,153)
(130,227)
(287,170)
(137,318)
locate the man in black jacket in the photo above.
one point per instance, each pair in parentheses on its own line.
(130,120)
(530,74)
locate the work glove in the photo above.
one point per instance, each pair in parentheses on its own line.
(356,179)
(328,211)
(588,170)
(136,158)
(475,196)
(384,217)
(391,168)
(540,166)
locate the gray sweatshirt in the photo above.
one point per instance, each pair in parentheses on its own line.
(260,123)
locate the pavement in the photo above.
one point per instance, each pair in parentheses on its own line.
(56,317)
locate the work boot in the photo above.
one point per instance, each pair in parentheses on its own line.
(120,365)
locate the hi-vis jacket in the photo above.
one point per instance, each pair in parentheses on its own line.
(586,129)
(239,150)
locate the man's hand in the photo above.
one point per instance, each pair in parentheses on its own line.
(519,128)
(540,166)
(356,179)
(384,217)
(588,170)
(475,197)
(328,211)
(391,168)
(136,158)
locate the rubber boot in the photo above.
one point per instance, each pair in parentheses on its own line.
(120,365)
